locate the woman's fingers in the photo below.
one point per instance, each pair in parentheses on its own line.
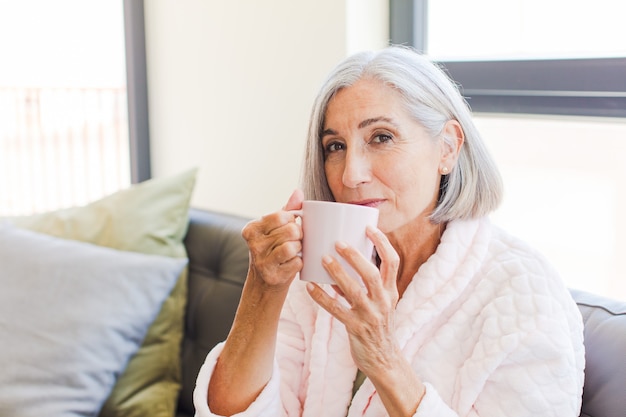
(295,200)
(390,260)
(275,242)
(351,288)
(380,293)
(377,281)
(328,303)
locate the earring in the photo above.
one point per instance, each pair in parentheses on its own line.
(444,170)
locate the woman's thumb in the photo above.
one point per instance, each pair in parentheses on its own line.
(295,200)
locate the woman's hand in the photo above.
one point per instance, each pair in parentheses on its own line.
(246,361)
(369,321)
(275,242)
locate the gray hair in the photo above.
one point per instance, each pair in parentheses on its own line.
(473,188)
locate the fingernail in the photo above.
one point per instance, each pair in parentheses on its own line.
(341,245)
(310,287)
(327,259)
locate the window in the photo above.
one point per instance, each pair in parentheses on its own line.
(525,29)
(64,136)
(546,81)
(565,192)
(524,56)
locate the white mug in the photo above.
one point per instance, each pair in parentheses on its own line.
(324,223)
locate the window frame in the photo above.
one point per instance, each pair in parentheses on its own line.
(577,87)
(137,91)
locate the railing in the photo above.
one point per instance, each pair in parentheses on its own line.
(61,147)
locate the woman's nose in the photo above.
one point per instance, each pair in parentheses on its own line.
(357,169)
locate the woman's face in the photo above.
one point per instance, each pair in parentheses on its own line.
(377,155)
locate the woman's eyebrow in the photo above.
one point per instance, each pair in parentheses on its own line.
(368,122)
(328,132)
(362,125)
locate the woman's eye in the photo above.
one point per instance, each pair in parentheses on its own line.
(381,138)
(334,147)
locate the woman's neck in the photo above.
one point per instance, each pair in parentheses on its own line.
(415,243)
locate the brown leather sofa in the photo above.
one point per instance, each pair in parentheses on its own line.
(218,261)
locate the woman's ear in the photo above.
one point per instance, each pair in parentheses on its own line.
(453,138)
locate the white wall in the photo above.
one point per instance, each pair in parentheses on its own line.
(231,84)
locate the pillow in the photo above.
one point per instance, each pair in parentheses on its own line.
(605,344)
(150,217)
(71,316)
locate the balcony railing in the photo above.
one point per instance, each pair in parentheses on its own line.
(61,147)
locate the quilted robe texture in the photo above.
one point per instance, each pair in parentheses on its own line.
(487,324)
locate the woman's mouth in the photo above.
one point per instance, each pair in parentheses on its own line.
(374,202)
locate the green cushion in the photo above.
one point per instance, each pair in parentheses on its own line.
(152,218)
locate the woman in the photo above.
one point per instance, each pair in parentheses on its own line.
(457,319)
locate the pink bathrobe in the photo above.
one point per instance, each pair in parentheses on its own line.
(486,323)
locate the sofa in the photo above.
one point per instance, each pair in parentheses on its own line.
(218,261)
(104,307)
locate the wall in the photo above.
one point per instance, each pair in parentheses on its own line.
(231,84)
